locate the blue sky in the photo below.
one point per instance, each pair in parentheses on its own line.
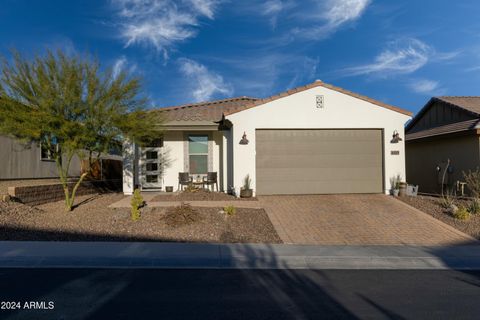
(400,52)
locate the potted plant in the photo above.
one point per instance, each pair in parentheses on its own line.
(395,185)
(246,191)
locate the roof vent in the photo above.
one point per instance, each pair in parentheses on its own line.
(318,80)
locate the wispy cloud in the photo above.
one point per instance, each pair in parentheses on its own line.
(205,84)
(425,86)
(400,57)
(273,8)
(162,23)
(122,64)
(260,72)
(333,14)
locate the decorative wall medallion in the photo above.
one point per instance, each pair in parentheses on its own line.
(320,102)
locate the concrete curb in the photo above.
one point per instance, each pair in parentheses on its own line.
(233,256)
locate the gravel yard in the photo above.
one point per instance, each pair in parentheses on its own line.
(94,221)
(199,195)
(432,206)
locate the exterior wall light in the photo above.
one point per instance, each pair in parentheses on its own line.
(396,137)
(244,139)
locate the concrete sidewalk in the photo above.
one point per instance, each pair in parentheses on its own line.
(25,254)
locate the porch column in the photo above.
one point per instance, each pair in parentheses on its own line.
(128,167)
(224,185)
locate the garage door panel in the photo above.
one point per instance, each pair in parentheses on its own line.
(335,187)
(312,161)
(346,174)
(319,161)
(321,148)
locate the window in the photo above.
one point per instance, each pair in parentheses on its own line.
(152,166)
(47,153)
(152,178)
(198,154)
(151,155)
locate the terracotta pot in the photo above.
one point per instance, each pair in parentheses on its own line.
(246,193)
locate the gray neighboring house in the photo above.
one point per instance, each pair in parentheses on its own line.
(20,161)
(446,128)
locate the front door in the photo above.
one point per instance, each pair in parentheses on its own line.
(151,166)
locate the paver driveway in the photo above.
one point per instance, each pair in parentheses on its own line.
(356,220)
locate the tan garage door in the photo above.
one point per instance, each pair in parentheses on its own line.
(319,161)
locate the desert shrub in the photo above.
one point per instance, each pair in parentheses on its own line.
(191,189)
(448,198)
(181,215)
(462,214)
(136,203)
(472,178)
(230,210)
(474,207)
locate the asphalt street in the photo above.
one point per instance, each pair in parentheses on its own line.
(238,294)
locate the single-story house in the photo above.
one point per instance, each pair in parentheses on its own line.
(315,139)
(446,129)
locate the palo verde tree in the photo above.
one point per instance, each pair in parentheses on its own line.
(72,107)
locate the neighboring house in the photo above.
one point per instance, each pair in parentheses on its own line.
(446,128)
(31,161)
(316,139)
(20,161)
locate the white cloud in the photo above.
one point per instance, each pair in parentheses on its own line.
(205,7)
(162,23)
(333,13)
(122,64)
(205,84)
(273,8)
(400,57)
(425,86)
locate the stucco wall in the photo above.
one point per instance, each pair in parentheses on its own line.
(174,157)
(299,111)
(20,162)
(424,156)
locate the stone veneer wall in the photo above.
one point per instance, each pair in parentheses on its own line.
(39,194)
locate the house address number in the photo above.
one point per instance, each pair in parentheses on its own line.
(395,153)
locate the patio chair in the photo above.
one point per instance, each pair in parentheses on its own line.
(211,179)
(184,179)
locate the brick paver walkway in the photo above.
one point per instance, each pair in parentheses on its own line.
(356,220)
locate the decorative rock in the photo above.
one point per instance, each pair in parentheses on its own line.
(6,198)
(452,209)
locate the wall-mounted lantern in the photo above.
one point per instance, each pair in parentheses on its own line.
(244,139)
(396,137)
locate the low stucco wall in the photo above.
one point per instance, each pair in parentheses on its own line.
(424,156)
(299,111)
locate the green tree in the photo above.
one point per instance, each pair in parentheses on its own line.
(69,105)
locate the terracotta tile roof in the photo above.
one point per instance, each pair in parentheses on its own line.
(471,104)
(445,129)
(209,111)
(319,83)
